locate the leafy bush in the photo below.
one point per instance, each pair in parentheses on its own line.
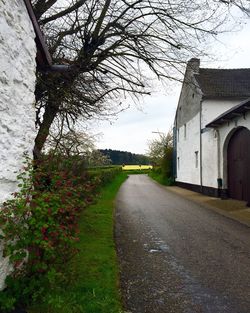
(167,163)
(102,176)
(161,177)
(40,224)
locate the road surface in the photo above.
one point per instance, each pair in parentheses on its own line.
(176,256)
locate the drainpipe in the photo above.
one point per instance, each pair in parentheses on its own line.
(61,68)
(174,163)
(201,184)
(219,179)
(221,192)
(218,153)
(44,54)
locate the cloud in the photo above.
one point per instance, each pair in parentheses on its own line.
(133,128)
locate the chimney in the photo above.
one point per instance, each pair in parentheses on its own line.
(193,65)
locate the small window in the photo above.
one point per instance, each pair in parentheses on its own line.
(185,131)
(196,159)
(178,163)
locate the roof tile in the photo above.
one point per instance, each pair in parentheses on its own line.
(224,82)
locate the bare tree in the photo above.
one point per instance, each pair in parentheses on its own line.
(243,5)
(108,46)
(76,144)
(71,143)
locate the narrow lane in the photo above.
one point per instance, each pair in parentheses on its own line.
(177,256)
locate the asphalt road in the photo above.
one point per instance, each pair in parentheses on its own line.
(177,256)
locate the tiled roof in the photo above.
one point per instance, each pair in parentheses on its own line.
(228,83)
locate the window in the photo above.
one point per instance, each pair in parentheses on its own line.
(196,159)
(185,131)
(178,163)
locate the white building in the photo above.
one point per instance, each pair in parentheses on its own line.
(212,136)
(21,49)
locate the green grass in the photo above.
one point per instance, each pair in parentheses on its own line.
(160,178)
(137,172)
(92,284)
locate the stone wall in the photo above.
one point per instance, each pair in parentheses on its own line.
(17,84)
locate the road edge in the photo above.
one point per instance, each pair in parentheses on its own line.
(208,206)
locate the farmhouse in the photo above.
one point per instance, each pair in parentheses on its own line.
(211,132)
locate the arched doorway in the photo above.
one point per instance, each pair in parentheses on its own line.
(238,165)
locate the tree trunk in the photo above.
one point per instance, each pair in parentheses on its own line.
(48,118)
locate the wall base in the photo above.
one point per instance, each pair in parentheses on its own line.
(208,191)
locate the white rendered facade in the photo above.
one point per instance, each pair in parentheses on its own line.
(201,151)
(211,109)
(211,145)
(188,144)
(225,131)
(17,85)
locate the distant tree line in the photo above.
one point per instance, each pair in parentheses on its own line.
(124,157)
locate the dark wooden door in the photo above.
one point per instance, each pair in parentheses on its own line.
(238,157)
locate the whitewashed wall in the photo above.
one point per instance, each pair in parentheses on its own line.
(226,130)
(212,166)
(209,158)
(17,84)
(187,171)
(211,109)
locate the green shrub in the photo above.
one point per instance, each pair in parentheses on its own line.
(163,173)
(129,172)
(104,176)
(40,224)
(167,163)
(160,176)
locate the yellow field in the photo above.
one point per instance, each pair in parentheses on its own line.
(136,167)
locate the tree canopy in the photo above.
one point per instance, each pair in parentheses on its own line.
(110,47)
(124,157)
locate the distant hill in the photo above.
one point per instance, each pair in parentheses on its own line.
(124,157)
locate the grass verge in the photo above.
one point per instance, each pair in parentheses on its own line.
(161,179)
(129,172)
(90,284)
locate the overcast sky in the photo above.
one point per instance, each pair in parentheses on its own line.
(133,128)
